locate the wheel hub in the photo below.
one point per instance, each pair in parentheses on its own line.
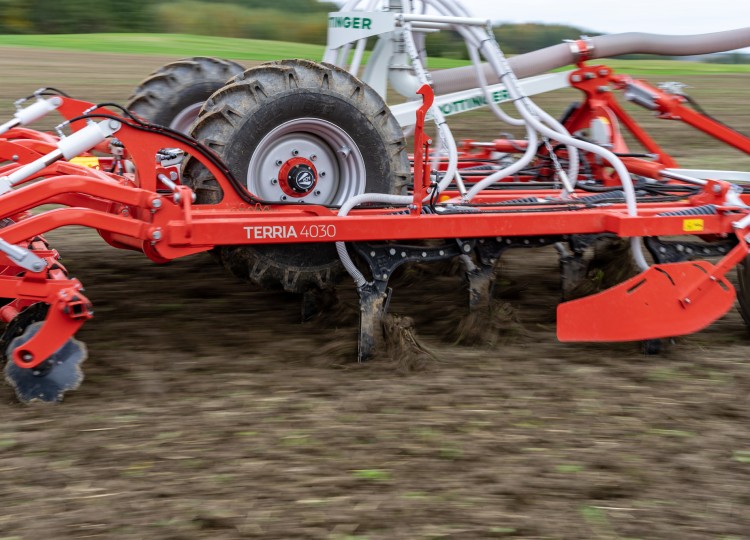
(307,160)
(298,177)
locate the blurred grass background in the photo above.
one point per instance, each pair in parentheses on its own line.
(243,29)
(264,50)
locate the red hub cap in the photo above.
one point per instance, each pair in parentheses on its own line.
(298,177)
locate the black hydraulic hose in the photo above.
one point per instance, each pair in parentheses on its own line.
(201,148)
(47,91)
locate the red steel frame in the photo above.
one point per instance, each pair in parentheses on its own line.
(129,212)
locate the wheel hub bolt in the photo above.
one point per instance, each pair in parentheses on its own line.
(295,152)
(316,193)
(274,181)
(283,197)
(279,163)
(322,174)
(313,157)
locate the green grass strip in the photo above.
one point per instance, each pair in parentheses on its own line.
(259,50)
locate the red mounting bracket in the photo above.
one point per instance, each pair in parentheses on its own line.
(422,150)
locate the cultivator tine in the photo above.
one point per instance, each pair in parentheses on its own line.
(481,281)
(573,271)
(373,305)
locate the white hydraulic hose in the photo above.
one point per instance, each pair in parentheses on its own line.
(346,260)
(508,119)
(527,108)
(516,167)
(531,135)
(445,133)
(573,161)
(550,127)
(494,107)
(421,41)
(437,143)
(524,105)
(351,268)
(461,10)
(474,37)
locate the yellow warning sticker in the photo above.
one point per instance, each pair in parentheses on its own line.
(693,225)
(92,162)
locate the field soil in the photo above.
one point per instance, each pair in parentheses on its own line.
(210,411)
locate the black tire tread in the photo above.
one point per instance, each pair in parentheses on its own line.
(227,111)
(163,92)
(743,291)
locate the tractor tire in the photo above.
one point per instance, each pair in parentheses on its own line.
(173,95)
(281,118)
(743,291)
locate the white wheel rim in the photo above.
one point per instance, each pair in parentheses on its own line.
(185,118)
(326,147)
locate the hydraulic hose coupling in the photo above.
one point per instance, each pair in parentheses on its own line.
(87,138)
(32,113)
(69,147)
(581,49)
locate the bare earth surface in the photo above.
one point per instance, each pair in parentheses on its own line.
(209,411)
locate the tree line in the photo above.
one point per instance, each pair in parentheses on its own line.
(302,21)
(513,38)
(242,18)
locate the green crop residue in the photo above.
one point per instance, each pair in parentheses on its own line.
(568,468)
(376,475)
